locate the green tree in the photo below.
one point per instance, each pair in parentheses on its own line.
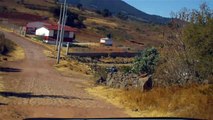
(198,40)
(106,13)
(122,16)
(146,61)
(79,6)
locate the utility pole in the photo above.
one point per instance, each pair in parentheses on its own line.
(59,27)
(61,32)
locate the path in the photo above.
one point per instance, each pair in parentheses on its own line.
(33,88)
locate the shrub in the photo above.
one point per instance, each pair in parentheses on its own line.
(104,13)
(146,61)
(73,19)
(187,56)
(5,45)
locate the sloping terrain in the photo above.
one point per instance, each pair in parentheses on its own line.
(133,35)
(116,6)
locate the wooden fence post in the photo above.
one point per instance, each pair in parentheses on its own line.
(67,50)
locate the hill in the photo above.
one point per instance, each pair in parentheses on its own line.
(117,6)
(128,34)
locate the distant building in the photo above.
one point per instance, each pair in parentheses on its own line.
(106,41)
(49,33)
(32,26)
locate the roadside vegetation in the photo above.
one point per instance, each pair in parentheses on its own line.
(9,51)
(6,46)
(181,72)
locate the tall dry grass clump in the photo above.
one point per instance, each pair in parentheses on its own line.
(5,45)
(191,101)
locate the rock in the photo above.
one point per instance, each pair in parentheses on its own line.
(101,80)
(148,84)
(5,59)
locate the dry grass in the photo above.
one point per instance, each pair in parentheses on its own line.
(192,101)
(101,22)
(15,51)
(117,60)
(73,65)
(17,54)
(5,29)
(1,83)
(12,4)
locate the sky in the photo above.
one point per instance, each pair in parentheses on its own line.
(164,7)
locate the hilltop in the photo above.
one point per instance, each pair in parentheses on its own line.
(119,6)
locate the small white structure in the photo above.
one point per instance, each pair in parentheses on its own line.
(43,31)
(106,41)
(49,33)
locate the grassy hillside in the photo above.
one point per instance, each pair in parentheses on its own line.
(116,6)
(126,33)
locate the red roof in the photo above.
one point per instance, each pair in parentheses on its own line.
(55,27)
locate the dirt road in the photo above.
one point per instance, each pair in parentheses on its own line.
(33,88)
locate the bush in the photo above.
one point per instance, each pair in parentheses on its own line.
(198,40)
(104,13)
(5,45)
(187,56)
(146,61)
(122,16)
(73,19)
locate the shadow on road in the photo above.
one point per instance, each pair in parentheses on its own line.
(7,69)
(30,95)
(133,118)
(3,104)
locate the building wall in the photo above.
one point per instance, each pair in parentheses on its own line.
(51,33)
(43,32)
(71,34)
(30,30)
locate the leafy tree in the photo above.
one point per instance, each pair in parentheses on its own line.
(146,61)
(122,16)
(73,19)
(187,56)
(109,35)
(98,11)
(198,40)
(79,6)
(106,13)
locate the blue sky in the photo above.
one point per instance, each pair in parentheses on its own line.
(164,7)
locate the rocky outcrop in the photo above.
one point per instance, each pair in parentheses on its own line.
(126,81)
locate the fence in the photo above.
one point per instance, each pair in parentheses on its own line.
(14,28)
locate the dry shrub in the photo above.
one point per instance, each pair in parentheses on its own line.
(118,60)
(192,101)
(74,65)
(5,45)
